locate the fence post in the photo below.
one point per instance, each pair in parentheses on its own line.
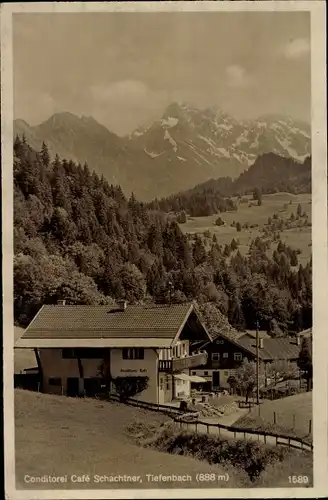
(274,417)
(310,426)
(264,438)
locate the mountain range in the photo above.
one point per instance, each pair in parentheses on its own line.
(185,147)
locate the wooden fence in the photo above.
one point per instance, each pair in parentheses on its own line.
(167,409)
(266,437)
(181,418)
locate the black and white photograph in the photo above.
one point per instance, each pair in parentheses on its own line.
(164,249)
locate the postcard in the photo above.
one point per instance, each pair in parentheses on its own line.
(164,214)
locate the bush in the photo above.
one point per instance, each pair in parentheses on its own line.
(249,456)
(127,387)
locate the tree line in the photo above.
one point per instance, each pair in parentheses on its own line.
(269,174)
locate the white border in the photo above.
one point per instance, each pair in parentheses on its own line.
(319,239)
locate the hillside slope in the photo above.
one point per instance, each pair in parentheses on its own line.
(63,436)
(270,173)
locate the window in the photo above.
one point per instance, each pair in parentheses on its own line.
(238,356)
(225,355)
(84,352)
(92,353)
(226,374)
(55,381)
(193,373)
(215,356)
(161,384)
(205,373)
(133,353)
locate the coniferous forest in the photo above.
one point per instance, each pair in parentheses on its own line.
(76,237)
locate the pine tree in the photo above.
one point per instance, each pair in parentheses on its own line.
(199,252)
(44,155)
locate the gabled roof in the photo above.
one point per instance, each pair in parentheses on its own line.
(94,325)
(285,348)
(273,348)
(252,334)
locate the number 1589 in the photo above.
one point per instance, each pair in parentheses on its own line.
(298,479)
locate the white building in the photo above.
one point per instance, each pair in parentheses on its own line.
(75,346)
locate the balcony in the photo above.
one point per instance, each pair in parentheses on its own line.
(179,364)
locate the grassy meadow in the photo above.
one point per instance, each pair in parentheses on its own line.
(278,203)
(60,436)
(57,435)
(292,416)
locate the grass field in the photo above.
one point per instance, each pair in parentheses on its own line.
(273,203)
(292,415)
(56,435)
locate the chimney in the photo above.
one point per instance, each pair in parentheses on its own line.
(261,343)
(61,302)
(122,305)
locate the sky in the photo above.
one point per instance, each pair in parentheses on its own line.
(124,69)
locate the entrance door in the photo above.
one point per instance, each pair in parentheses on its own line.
(72,387)
(168,389)
(216,380)
(92,386)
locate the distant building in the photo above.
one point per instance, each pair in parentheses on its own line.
(227,351)
(70,342)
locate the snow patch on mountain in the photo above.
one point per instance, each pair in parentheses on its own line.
(224,152)
(169,122)
(181,158)
(168,137)
(285,143)
(224,126)
(206,139)
(240,140)
(255,144)
(152,154)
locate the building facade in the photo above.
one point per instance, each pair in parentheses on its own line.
(81,348)
(225,354)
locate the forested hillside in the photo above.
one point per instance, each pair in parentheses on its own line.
(270,173)
(78,237)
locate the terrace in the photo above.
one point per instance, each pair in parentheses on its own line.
(180,364)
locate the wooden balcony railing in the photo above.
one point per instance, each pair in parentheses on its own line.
(179,364)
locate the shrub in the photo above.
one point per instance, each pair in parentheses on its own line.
(127,387)
(249,456)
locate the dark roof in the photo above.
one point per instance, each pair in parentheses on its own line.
(252,334)
(136,321)
(273,348)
